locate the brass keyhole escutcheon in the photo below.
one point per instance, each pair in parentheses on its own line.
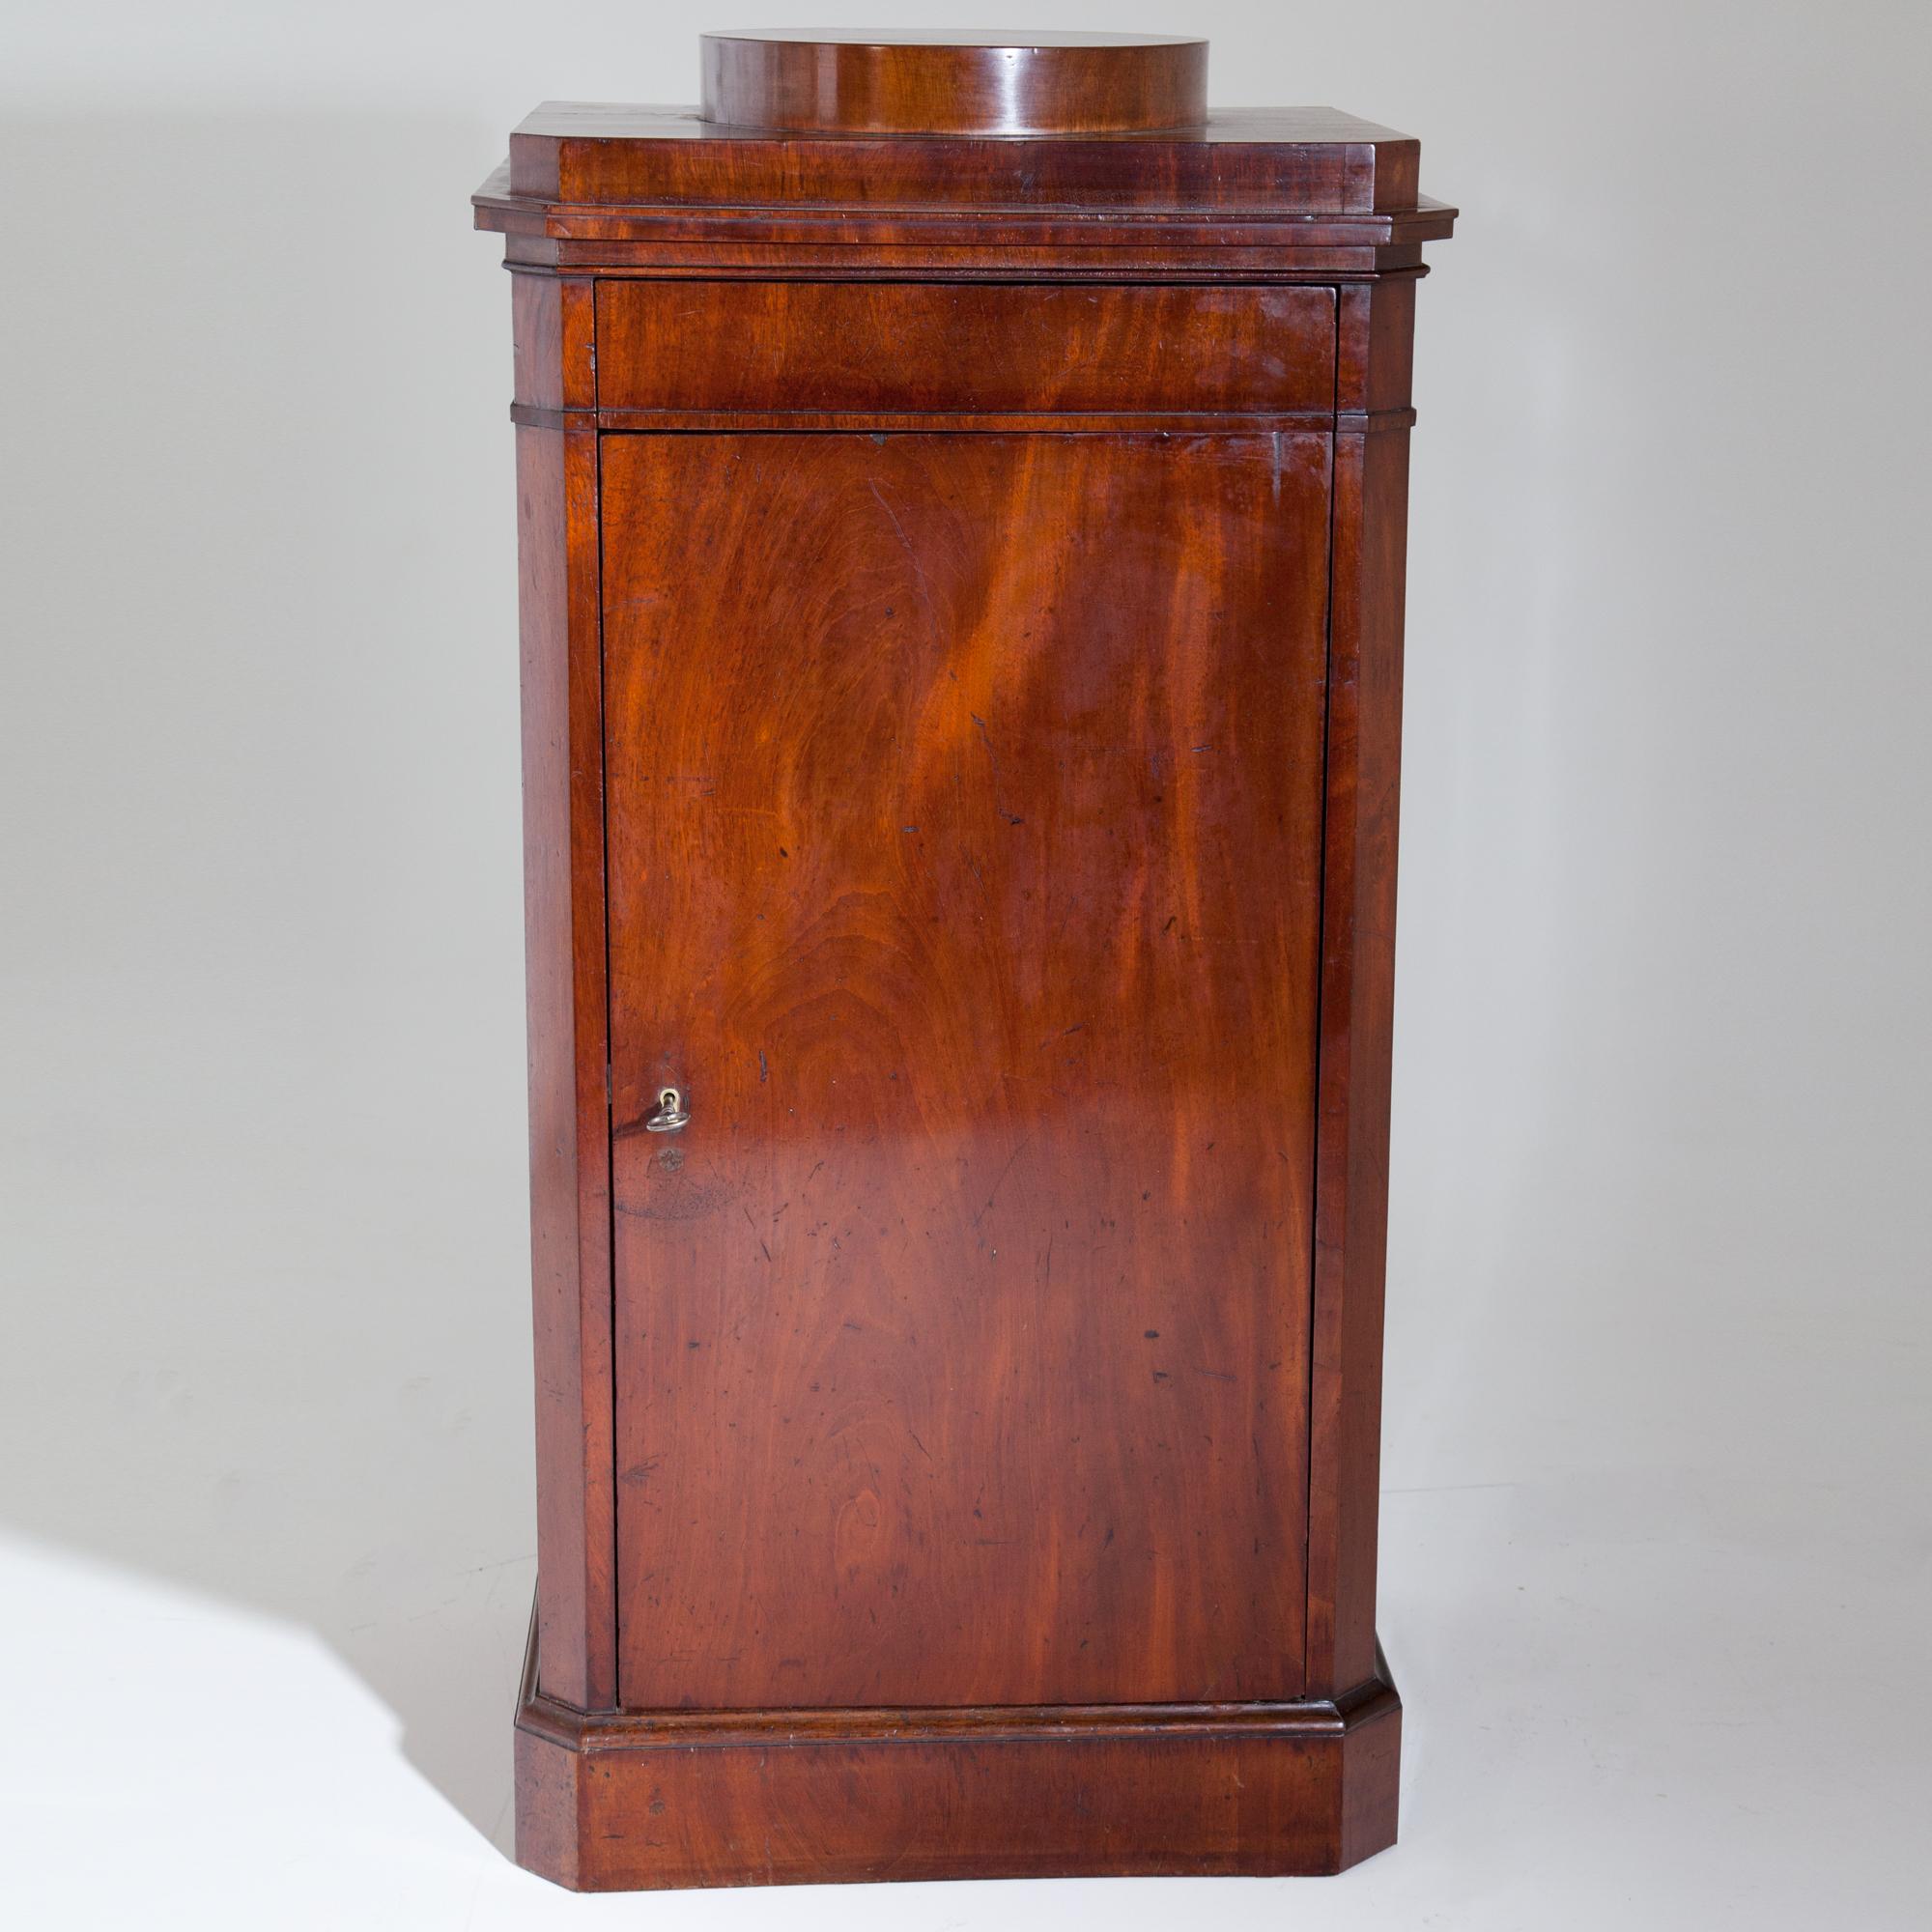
(669,1114)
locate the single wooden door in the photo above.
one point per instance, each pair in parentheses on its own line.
(964,803)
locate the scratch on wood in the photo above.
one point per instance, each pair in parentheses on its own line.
(1001,1182)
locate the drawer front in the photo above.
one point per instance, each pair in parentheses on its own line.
(869,347)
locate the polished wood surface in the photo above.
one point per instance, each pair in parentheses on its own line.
(1305,160)
(952,82)
(1357,987)
(846,347)
(967,1322)
(963,589)
(810,1797)
(563,874)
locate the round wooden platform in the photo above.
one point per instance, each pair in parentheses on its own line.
(953,82)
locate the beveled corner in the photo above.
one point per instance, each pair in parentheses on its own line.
(645,1801)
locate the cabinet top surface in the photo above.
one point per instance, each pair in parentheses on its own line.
(1275,161)
(1221,128)
(1030,141)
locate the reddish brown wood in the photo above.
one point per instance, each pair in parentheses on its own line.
(788,1797)
(563,870)
(965,1326)
(1374,355)
(1169,240)
(536,340)
(1307,160)
(1357,994)
(816,81)
(978,565)
(1081,422)
(883,348)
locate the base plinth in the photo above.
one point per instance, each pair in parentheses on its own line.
(684,1798)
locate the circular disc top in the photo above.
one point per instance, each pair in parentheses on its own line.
(975,81)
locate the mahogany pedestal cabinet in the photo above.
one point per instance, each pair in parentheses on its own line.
(962,491)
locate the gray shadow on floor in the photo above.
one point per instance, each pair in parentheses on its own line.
(263,1116)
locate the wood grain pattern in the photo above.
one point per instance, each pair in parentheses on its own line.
(1357,1009)
(949,83)
(1375,351)
(934,241)
(536,340)
(786,1798)
(1359,995)
(962,587)
(563,889)
(945,422)
(963,1345)
(1303,160)
(894,347)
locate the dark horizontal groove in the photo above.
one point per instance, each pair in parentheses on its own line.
(1055,423)
(954,239)
(1067,273)
(1243,214)
(904,277)
(527,415)
(1071,1723)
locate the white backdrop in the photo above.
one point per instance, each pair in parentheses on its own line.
(1656,1542)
